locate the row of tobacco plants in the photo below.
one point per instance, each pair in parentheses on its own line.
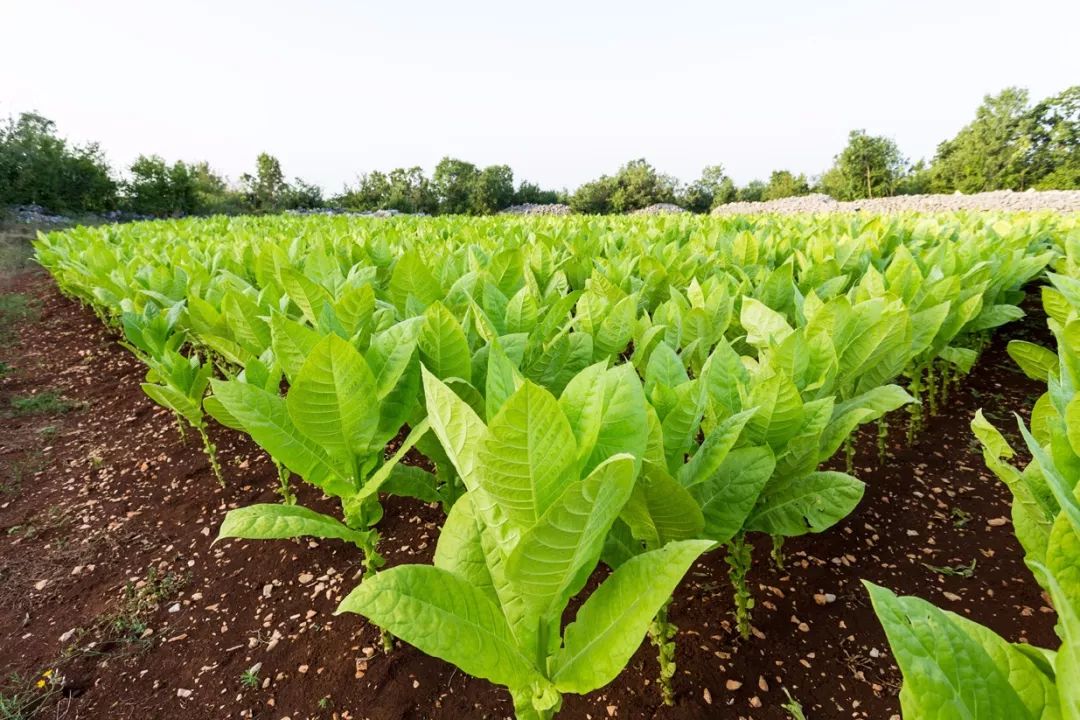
(626,391)
(956,668)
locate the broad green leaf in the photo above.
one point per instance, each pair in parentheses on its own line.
(779,411)
(582,401)
(724,376)
(879,401)
(528,449)
(414,482)
(795,506)
(216,410)
(661,510)
(172,399)
(390,354)
(682,423)
(292,342)
(444,616)
(1061,487)
(411,278)
(664,368)
(962,358)
(460,549)
(444,349)
(729,493)
(502,380)
(947,673)
(355,307)
(459,429)
(1062,553)
(554,558)
(993,316)
(374,483)
(309,296)
(332,399)
(280,522)
(610,625)
(764,326)
(616,328)
(265,418)
(623,422)
(1036,361)
(712,452)
(1067,662)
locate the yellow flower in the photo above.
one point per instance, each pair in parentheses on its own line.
(41,683)
(47,674)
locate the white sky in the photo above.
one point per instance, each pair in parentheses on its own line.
(562,91)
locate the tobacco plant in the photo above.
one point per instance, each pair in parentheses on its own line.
(330,429)
(518,546)
(174,381)
(956,668)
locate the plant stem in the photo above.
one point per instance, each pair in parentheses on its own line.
(946,378)
(931,388)
(882,438)
(211,453)
(662,634)
(777,553)
(915,408)
(739,559)
(849,454)
(372,561)
(284,490)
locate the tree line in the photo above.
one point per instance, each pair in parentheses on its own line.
(1011,143)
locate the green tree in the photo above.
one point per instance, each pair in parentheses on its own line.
(265,187)
(594,197)
(1055,142)
(783,184)
(528,192)
(639,185)
(371,191)
(300,195)
(753,191)
(406,190)
(992,151)
(492,190)
(713,188)
(453,181)
(917,181)
(636,185)
(213,196)
(159,189)
(38,167)
(870,166)
(410,191)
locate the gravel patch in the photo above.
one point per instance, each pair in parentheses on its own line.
(537,209)
(659,209)
(1055,200)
